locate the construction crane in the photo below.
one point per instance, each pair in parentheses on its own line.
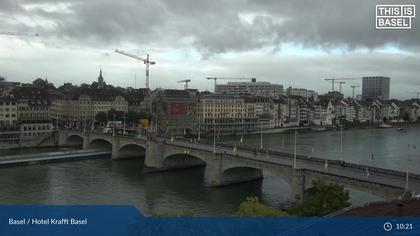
(146,61)
(186,81)
(19,34)
(354,86)
(417,93)
(228,78)
(339,80)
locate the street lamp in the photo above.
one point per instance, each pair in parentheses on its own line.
(294,153)
(124,125)
(341,143)
(214,125)
(113,126)
(261,136)
(407,165)
(199,127)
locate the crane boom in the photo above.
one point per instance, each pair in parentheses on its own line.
(146,61)
(186,81)
(130,55)
(333,80)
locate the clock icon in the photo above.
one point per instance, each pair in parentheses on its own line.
(387,226)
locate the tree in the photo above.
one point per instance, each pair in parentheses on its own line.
(252,207)
(94,85)
(326,199)
(100,117)
(132,117)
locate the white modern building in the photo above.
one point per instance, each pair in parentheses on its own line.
(264,89)
(305,93)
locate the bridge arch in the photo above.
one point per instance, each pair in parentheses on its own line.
(240,174)
(75,140)
(183,160)
(132,150)
(100,143)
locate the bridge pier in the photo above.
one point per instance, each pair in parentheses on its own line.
(213,172)
(86,141)
(154,157)
(298,184)
(61,139)
(115,148)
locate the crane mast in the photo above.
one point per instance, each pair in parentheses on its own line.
(352,87)
(146,61)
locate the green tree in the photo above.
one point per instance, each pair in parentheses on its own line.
(253,207)
(327,199)
(132,116)
(100,117)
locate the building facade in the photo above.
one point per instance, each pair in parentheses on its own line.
(227,114)
(305,93)
(376,87)
(174,112)
(76,109)
(8,111)
(264,89)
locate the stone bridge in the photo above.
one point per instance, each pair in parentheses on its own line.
(227,166)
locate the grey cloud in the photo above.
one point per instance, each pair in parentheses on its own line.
(10,6)
(215,26)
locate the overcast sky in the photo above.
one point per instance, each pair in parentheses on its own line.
(294,43)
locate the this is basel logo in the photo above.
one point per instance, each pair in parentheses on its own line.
(394,16)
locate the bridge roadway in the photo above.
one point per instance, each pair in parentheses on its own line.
(227,166)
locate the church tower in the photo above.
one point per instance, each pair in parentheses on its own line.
(101,83)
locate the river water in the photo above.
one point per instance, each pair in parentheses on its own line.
(102,181)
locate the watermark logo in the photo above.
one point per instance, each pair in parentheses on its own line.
(394,16)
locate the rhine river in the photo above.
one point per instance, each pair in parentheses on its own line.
(102,181)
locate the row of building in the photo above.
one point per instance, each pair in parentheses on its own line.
(32,111)
(180,110)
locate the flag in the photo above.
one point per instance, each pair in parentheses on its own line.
(242,139)
(326,165)
(367,172)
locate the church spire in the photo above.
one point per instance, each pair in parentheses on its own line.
(101,83)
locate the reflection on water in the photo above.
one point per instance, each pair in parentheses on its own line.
(102,181)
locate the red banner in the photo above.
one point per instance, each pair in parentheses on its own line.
(180,108)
